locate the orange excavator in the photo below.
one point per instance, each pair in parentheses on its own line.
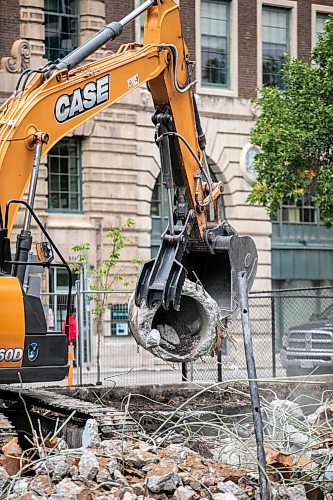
(51,101)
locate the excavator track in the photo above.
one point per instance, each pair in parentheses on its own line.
(110,420)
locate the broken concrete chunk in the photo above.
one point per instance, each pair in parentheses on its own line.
(230,488)
(140,458)
(60,469)
(20,487)
(90,435)
(88,466)
(209,480)
(168,335)
(184,493)
(224,496)
(40,483)
(3,478)
(112,465)
(236,453)
(293,492)
(58,496)
(129,496)
(103,473)
(68,487)
(12,452)
(120,478)
(163,477)
(153,339)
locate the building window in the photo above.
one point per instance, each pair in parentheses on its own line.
(319,16)
(275,43)
(299,212)
(321,19)
(119,320)
(61,28)
(64,176)
(215,28)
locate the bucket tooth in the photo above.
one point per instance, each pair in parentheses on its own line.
(142,286)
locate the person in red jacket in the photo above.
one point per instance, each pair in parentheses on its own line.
(72,333)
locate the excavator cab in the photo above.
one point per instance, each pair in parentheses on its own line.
(29,352)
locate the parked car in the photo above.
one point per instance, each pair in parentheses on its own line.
(308,347)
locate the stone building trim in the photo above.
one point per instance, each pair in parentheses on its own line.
(20,58)
(32,28)
(233,56)
(317,9)
(287,4)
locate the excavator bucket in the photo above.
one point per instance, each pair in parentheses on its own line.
(180,319)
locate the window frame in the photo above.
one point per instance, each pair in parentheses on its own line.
(317,9)
(227,84)
(77,16)
(231,90)
(119,321)
(79,210)
(286,44)
(291,5)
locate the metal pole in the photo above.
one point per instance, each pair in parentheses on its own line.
(184,372)
(252,377)
(273,337)
(24,240)
(86,312)
(33,185)
(219,366)
(80,340)
(109,32)
(78,360)
(135,13)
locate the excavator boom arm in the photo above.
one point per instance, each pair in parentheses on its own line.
(59,103)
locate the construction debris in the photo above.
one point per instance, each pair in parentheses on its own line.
(177,460)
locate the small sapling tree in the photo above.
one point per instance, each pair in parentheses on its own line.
(105,276)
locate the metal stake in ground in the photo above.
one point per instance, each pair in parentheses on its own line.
(252,376)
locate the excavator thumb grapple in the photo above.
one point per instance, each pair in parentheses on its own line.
(188,320)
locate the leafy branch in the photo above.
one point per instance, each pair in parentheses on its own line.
(294,132)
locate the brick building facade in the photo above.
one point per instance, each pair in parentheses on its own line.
(118,160)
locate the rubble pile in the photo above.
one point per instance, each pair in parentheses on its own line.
(125,469)
(120,469)
(187,465)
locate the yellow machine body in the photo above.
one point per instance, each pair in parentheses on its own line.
(12,329)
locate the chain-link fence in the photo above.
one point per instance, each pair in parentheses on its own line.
(107,353)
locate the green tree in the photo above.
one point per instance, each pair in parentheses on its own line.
(294,132)
(104,277)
